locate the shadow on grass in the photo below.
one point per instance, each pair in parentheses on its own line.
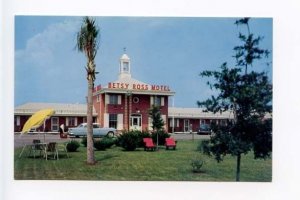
(106,157)
(135,150)
(198,171)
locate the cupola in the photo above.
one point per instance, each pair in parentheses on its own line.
(124,66)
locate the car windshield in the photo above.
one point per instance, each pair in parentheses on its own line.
(81,126)
(204,126)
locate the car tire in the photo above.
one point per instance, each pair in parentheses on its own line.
(110,134)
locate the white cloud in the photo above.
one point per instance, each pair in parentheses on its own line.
(42,48)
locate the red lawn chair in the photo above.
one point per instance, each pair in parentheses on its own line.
(170,142)
(148,144)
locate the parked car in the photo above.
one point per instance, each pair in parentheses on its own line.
(98,131)
(204,129)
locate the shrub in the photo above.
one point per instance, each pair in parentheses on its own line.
(129,140)
(162,135)
(109,141)
(196,165)
(72,146)
(104,143)
(204,146)
(99,145)
(84,141)
(141,135)
(117,140)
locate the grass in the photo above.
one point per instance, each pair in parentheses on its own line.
(118,165)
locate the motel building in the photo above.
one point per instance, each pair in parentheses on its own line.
(123,104)
(70,115)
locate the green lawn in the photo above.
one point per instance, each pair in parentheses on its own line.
(116,164)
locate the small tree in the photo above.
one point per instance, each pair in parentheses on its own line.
(157,121)
(248,96)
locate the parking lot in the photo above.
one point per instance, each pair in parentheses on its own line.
(20,140)
(188,136)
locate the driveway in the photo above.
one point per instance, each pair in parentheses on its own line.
(20,140)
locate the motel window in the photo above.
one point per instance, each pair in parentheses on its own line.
(113,120)
(223,122)
(71,121)
(98,98)
(113,99)
(176,122)
(94,120)
(171,122)
(157,101)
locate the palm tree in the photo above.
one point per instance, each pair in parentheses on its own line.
(88,43)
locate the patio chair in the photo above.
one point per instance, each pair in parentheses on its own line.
(36,147)
(62,147)
(170,143)
(148,144)
(52,149)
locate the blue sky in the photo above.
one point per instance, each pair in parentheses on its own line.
(163,50)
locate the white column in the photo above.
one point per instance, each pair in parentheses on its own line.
(106,99)
(164,117)
(76,121)
(151,101)
(106,120)
(120,122)
(119,100)
(162,101)
(150,124)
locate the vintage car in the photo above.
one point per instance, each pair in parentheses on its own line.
(98,131)
(204,129)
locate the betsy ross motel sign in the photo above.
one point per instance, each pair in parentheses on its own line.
(134,86)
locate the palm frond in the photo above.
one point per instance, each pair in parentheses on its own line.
(88,38)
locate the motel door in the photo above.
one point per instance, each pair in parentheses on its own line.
(135,122)
(186,125)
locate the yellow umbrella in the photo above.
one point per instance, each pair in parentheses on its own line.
(37,119)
